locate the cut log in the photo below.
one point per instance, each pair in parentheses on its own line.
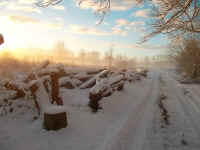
(107,92)
(97,93)
(94,101)
(94,71)
(143,73)
(59,70)
(76,82)
(116,79)
(55,89)
(82,76)
(46,84)
(33,89)
(104,88)
(66,82)
(55,118)
(30,77)
(55,121)
(68,85)
(118,86)
(90,83)
(12,86)
(40,95)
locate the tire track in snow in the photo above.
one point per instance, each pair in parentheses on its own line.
(189,111)
(194,96)
(133,131)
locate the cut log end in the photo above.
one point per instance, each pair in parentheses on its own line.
(55,121)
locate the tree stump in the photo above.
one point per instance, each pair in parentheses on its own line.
(55,120)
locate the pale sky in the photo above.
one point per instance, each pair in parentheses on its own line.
(24,25)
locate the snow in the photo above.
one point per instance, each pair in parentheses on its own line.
(81,75)
(64,80)
(130,119)
(6,94)
(100,86)
(115,79)
(42,96)
(55,109)
(93,80)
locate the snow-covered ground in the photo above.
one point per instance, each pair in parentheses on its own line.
(130,120)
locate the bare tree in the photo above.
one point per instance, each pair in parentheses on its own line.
(82,57)
(108,56)
(94,57)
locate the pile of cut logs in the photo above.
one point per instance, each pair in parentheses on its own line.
(102,83)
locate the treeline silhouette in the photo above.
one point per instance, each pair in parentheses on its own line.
(13,61)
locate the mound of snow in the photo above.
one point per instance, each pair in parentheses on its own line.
(55,109)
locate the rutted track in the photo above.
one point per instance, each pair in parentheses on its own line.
(185,111)
(132,133)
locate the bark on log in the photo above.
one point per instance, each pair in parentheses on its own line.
(19,92)
(84,79)
(119,86)
(33,90)
(94,101)
(55,89)
(68,85)
(30,77)
(143,73)
(104,88)
(55,121)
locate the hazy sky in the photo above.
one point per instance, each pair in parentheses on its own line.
(23,24)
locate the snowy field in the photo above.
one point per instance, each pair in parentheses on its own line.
(155,113)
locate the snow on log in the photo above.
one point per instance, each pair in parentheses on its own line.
(67,83)
(47,83)
(103,88)
(82,76)
(19,88)
(99,87)
(107,92)
(90,83)
(132,76)
(7,94)
(76,82)
(143,73)
(29,78)
(118,86)
(116,79)
(97,93)
(40,95)
(55,118)
(94,71)
(58,69)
